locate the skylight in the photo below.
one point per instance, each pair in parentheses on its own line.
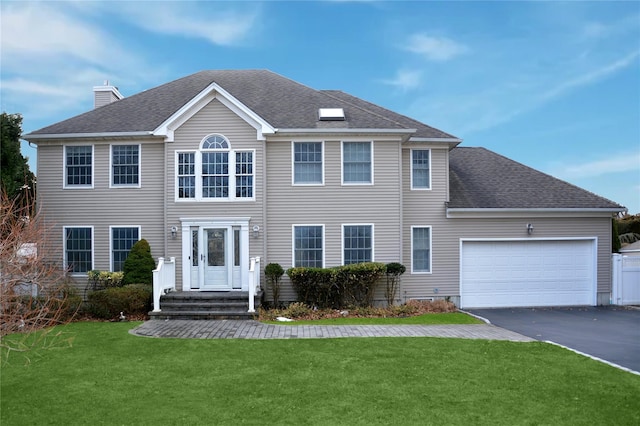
(331,114)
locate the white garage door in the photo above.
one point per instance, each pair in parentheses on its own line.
(527,273)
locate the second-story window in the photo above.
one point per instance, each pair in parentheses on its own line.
(125,165)
(307,163)
(420,170)
(78,168)
(215,172)
(357,163)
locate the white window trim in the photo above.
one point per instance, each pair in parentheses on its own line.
(430,271)
(411,167)
(293,163)
(111,240)
(198,168)
(342,165)
(64,167)
(139,184)
(64,250)
(293,242)
(373,239)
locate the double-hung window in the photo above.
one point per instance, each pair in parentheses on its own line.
(122,239)
(215,172)
(78,166)
(357,164)
(308,243)
(357,243)
(78,249)
(125,165)
(421,249)
(420,169)
(308,163)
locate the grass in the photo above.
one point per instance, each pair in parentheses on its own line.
(112,377)
(425,319)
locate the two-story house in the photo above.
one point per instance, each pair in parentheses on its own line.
(221,166)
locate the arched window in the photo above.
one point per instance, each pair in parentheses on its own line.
(214,142)
(215,172)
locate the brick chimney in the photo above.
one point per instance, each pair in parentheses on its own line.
(105,94)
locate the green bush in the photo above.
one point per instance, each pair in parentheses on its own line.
(315,286)
(358,282)
(349,285)
(131,299)
(274,272)
(393,272)
(139,265)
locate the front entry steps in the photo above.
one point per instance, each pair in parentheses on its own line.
(206,305)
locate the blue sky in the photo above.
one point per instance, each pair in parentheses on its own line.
(553,85)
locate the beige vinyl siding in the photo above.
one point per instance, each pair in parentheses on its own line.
(214,118)
(332,204)
(427,208)
(448,244)
(102,206)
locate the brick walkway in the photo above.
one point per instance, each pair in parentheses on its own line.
(239,329)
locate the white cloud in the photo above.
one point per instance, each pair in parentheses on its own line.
(620,163)
(215,23)
(41,32)
(405,79)
(589,77)
(435,48)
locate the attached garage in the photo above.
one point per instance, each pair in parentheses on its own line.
(533,272)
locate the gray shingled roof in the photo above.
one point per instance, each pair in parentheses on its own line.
(282,102)
(479,178)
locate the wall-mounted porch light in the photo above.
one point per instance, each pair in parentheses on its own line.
(256,231)
(174,232)
(529,228)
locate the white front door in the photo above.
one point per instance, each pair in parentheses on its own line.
(215,252)
(216,259)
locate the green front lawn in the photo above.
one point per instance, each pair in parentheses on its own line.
(109,377)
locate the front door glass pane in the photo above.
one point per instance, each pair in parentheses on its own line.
(216,247)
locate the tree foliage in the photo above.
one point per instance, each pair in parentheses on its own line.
(139,266)
(18,182)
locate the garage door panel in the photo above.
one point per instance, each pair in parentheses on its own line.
(527,273)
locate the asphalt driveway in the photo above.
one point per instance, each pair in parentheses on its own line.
(611,333)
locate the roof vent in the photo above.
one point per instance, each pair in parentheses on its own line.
(331,114)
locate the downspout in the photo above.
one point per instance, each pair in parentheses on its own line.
(164,204)
(401,221)
(264,204)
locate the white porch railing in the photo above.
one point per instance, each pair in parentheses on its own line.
(625,280)
(164,280)
(254,282)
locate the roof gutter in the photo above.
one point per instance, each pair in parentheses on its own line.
(522,212)
(345,130)
(454,140)
(102,135)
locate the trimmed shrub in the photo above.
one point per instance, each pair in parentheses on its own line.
(131,299)
(357,282)
(393,271)
(274,272)
(349,285)
(139,265)
(315,286)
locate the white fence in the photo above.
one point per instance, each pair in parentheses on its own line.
(626,280)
